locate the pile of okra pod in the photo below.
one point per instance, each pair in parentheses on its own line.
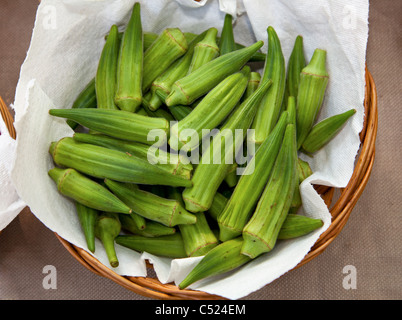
(176,208)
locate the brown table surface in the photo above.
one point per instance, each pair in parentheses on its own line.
(370,241)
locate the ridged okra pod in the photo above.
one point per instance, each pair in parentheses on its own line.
(117,123)
(227,43)
(171,162)
(270,107)
(107,228)
(251,184)
(217,206)
(179,112)
(205,50)
(210,112)
(162,85)
(198,237)
(105,79)
(206,77)
(221,259)
(220,154)
(87,217)
(84,190)
(257,56)
(312,86)
(296,64)
(169,46)
(86,99)
(128,94)
(171,246)
(169,212)
(296,225)
(324,131)
(253,83)
(152,228)
(261,232)
(100,162)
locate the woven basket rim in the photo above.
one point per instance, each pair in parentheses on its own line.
(340,212)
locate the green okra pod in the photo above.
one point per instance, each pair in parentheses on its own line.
(179,112)
(251,184)
(296,225)
(270,107)
(324,131)
(227,43)
(171,246)
(205,50)
(117,123)
(107,228)
(162,85)
(152,228)
(256,57)
(128,94)
(86,99)
(210,112)
(174,163)
(101,162)
(296,64)
(169,46)
(312,87)
(84,190)
(169,212)
(253,83)
(261,232)
(105,79)
(198,237)
(218,205)
(223,258)
(87,217)
(206,77)
(220,154)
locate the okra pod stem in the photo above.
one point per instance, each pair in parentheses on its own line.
(107,229)
(105,79)
(128,94)
(261,232)
(75,185)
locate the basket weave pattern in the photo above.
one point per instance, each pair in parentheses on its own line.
(339,208)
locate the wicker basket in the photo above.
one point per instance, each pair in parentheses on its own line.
(339,208)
